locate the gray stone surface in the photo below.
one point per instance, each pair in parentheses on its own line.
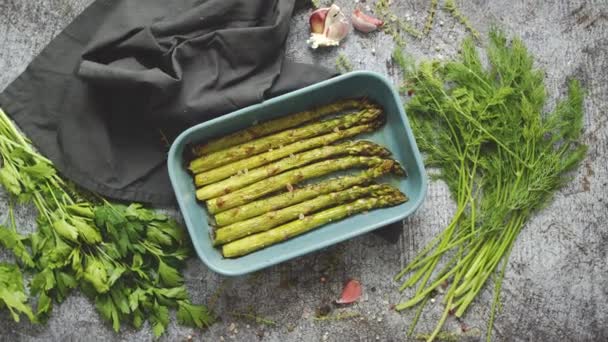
(555,286)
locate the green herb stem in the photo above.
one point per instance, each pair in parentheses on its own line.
(500,157)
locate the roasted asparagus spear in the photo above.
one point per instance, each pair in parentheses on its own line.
(287,179)
(226,186)
(286,199)
(280,139)
(277,125)
(274,218)
(223,172)
(258,241)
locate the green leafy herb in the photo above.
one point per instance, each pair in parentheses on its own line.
(428,24)
(451,7)
(9,238)
(159,319)
(12,295)
(251,315)
(445,336)
(193,315)
(9,180)
(483,130)
(124,258)
(337,317)
(393,25)
(343,64)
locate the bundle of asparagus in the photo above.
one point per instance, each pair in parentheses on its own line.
(247,179)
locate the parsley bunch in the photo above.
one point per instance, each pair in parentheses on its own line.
(483,130)
(124,258)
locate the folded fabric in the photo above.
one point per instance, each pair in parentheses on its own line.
(106,97)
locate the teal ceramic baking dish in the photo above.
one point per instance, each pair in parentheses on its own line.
(395,134)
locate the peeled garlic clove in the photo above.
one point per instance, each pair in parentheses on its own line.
(317,20)
(365,23)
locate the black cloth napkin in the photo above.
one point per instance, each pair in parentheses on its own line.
(105,98)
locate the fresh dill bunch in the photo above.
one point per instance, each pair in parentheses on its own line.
(451,7)
(343,64)
(483,131)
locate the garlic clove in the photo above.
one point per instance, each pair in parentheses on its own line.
(365,23)
(336,24)
(351,293)
(317,20)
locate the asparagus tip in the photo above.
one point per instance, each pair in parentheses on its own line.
(398,169)
(377,123)
(373,149)
(369,103)
(398,197)
(194,150)
(383,189)
(390,194)
(188,156)
(366,102)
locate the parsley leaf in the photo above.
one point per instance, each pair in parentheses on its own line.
(108,310)
(43,281)
(159,319)
(10,180)
(13,241)
(66,230)
(169,275)
(39,171)
(86,232)
(96,274)
(65,283)
(193,315)
(12,293)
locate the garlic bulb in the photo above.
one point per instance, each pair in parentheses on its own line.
(328,26)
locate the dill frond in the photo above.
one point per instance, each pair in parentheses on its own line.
(393,25)
(343,64)
(451,7)
(428,24)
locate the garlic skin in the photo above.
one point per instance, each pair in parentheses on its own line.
(317,20)
(335,27)
(365,23)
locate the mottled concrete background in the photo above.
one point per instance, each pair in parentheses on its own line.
(556,283)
